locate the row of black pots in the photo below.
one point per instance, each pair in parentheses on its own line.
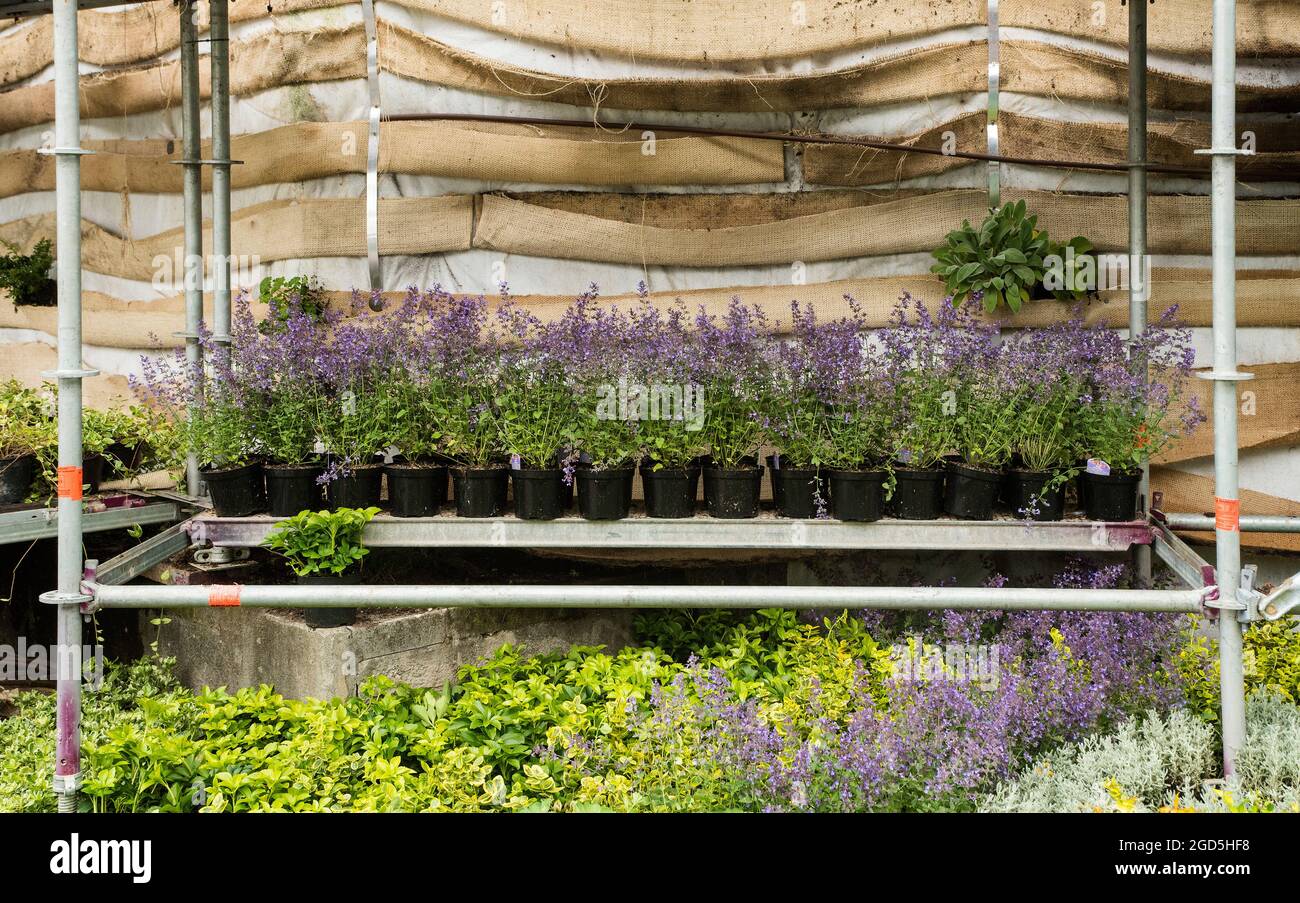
(17,474)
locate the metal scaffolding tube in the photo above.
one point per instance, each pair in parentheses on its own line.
(68,596)
(192,152)
(640,596)
(1250,523)
(219,57)
(1223,151)
(1138,290)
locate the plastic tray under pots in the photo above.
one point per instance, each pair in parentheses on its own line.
(970,492)
(918,494)
(236,491)
(1024,490)
(480,491)
(799,491)
(292,488)
(319,618)
(605,494)
(670,491)
(416,490)
(734,493)
(16,476)
(1110,497)
(857,495)
(539,494)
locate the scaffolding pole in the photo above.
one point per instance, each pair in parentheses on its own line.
(1138,289)
(219,56)
(1227,504)
(192,151)
(68,597)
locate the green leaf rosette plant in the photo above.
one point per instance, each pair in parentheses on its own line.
(322,542)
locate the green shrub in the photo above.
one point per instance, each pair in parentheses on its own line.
(322,542)
(27,276)
(1271,661)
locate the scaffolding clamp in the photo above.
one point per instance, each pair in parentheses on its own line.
(1282,601)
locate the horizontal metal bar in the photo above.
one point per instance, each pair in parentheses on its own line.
(1182,559)
(764,532)
(43,523)
(1250,523)
(140,558)
(586,596)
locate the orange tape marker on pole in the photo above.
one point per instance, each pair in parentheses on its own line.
(1227,514)
(69,483)
(224,596)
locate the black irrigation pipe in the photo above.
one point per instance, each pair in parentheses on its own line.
(798,139)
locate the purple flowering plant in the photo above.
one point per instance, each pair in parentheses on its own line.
(923,352)
(537,408)
(736,375)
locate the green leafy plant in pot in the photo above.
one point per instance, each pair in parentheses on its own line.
(27,276)
(536,413)
(324,548)
(27,430)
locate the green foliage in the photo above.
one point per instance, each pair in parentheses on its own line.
(536,411)
(1271,661)
(1004,259)
(27,276)
(26,421)
(286,295)
(322,542)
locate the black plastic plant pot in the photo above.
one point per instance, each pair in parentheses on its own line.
(605,494)
(237,491)
(857,495)
(670,491)
(361,487)
(92,472)
(318,618)
(735,491)
(416,490)
(918,494)
(480,491)
(292,488)
(1111,497)
(539,494)
(16,475)
(971,492)
(1026,497)
(797,490)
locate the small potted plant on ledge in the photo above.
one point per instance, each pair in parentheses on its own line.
(736,376)
(537,410)
(1137,407)
(324,548)
(860,425)
(26,431)
(27,276)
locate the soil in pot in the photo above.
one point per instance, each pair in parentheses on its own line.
(1110,497)
(16,475)
(857,495)
(539,494)
(236,491)
(799,491)
(735,491)
(480,491)
(415,489)
(971,492)
(918,494)
(670,491)
(605,494)
(291,488)
(360,487)
(318,618)
(1026,497)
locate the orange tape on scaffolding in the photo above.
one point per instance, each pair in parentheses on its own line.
(224,596)
(69,482)
(1227,514)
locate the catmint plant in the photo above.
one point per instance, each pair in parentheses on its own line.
(735,372)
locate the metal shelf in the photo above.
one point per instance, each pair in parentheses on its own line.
(767,531)
(110,513)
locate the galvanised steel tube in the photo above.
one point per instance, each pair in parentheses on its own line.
(1138,290)
(636,596)
(219,55)
(67,132)
(1250,523)
(193,264)
(1223,140)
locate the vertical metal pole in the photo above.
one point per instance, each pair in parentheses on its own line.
(1227,534)
(1138,289)
(219,56)
(192,150)
(67,130)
